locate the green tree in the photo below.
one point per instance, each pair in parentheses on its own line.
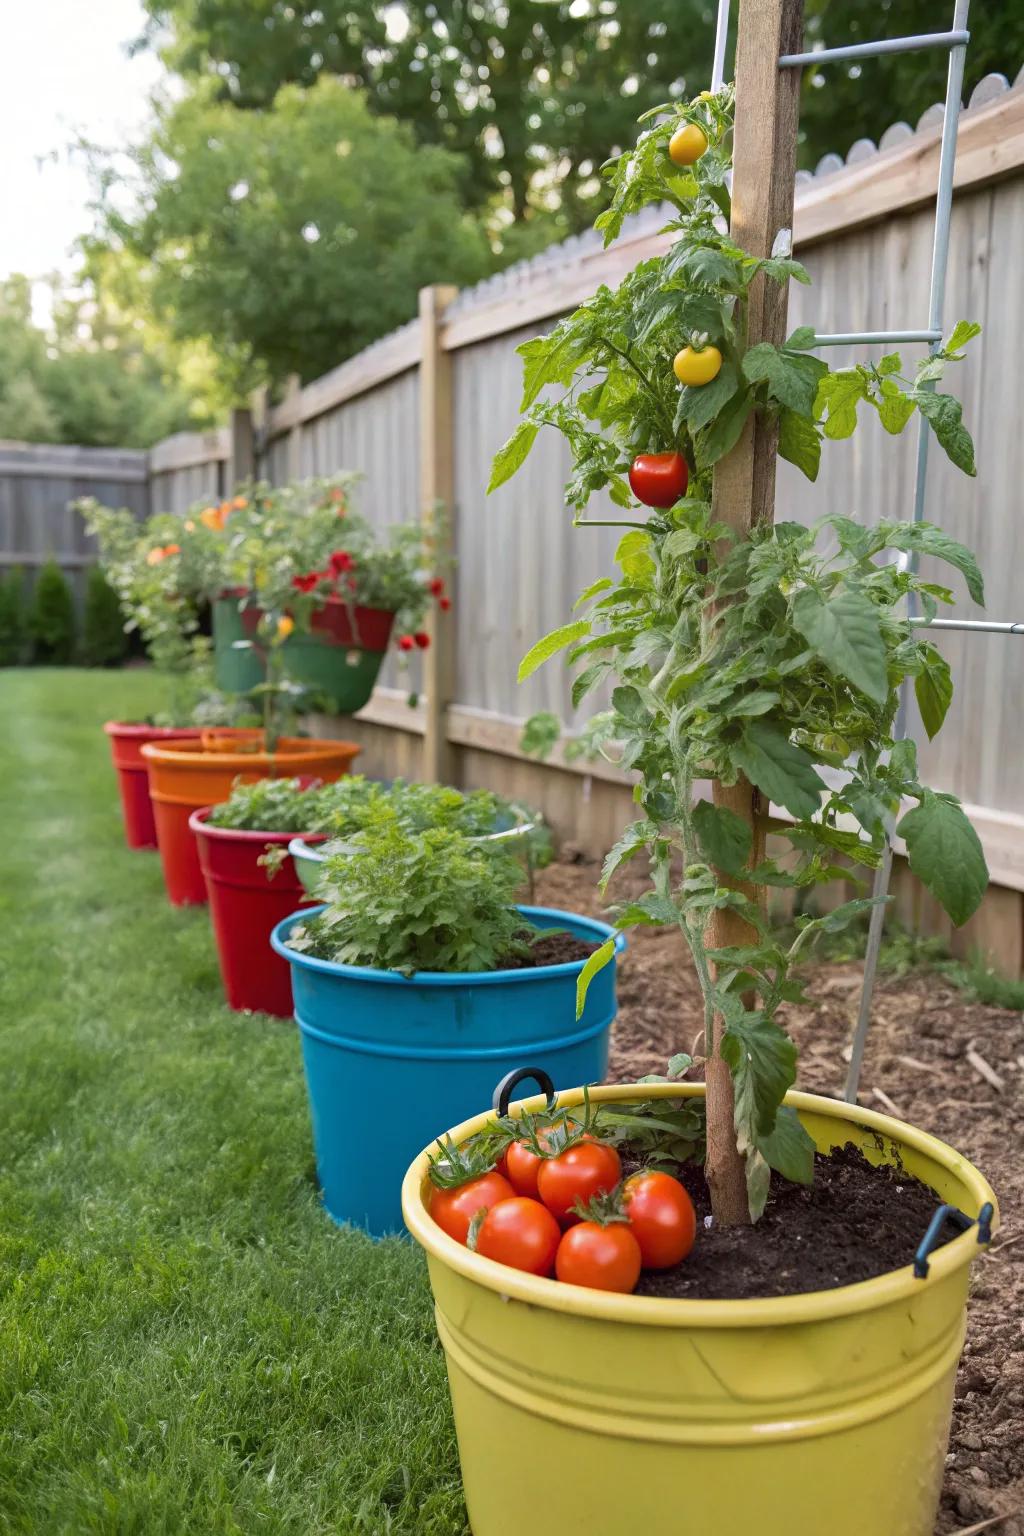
(52,619)
(93,377)
(293,237)
(13,619)
(104,642)
(538,94)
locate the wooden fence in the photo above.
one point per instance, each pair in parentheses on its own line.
(38,483)
(421,413)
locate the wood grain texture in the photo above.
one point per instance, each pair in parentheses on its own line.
(438,518)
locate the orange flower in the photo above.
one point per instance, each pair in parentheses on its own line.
(155,556)
(210,518)
(285,625)
(190,526)
(239,502)
(172,549)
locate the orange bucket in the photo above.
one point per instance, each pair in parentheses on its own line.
(186,776)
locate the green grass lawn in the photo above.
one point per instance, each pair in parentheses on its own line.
(187,1344)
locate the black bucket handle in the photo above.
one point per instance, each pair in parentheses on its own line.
(503,1092)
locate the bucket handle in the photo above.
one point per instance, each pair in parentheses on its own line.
(503,1092)
(957,1218)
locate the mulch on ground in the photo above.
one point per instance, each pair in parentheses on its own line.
(917,1067)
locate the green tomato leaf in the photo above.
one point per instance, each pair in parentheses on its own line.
(540,734)
(638,835)
(782,771)
(551,644)
(945,854)
(944,415)
(800,442)
(926,539)
(845,632)
(894,407)
(803,337)
(762,1060)
(788,1148)
(513,454)
(934,690)
(595,962)
(725,838)
(963,332)
(838,396)
(724,432)
(792,378)
(634,556)
(551,359)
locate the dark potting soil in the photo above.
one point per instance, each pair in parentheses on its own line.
(552,949)
(854,1222)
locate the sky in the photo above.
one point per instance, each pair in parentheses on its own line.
(63,71)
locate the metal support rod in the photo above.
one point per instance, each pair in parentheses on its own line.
(871,338)
(937,294)
(976,626)
(721,38)
(958,38)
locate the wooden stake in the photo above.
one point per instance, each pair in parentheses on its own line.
(764,170)
(437,491)
(242,448)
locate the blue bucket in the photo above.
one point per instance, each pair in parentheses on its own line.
(424,1052)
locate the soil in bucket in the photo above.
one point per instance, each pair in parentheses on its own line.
(854,1222)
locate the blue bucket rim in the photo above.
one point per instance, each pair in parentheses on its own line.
(601,931)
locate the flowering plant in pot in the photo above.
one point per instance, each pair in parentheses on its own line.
(770,664)
(246,846)
(416,979)
(304,556)
(158,581)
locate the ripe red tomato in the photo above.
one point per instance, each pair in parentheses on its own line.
(522,1165)
(454,1209)
(405,642)
(661,1218)
(521,1233)
(605,1258)
(579,1173)
(658,479)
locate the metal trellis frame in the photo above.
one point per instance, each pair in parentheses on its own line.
(955,41)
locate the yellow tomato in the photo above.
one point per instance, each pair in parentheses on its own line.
(693,367)
(687,144)
(285,625)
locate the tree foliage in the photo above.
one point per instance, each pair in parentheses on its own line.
(536,95)
(90,379)
(14,637)
(104,641)
(292,237)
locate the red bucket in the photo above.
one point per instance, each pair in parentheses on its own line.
(246,902)
(126,742)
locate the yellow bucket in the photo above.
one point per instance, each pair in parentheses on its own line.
(825,1414)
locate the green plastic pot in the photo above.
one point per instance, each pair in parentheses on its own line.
(340,657)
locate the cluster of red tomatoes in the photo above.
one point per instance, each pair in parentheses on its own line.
(421,638)
(556,1203)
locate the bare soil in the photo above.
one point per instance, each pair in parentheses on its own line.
(917,1068)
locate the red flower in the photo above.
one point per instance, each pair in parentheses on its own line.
(306,583)
(422,639)
(406,642)
(436,586)
(444,604)
(340,562)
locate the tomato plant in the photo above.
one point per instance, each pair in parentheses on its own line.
(661,1218)
(773,663)
(602,1256)
(521,1233)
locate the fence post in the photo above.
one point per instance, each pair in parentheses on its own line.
(241,447)
(764,170)
(292,391)
(437,490)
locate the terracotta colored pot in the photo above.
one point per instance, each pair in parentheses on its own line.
(246,903)
(126,743)
(184,778)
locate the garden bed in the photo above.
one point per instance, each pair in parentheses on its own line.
(916,1056)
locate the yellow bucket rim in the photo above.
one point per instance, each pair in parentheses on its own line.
(659,1312)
